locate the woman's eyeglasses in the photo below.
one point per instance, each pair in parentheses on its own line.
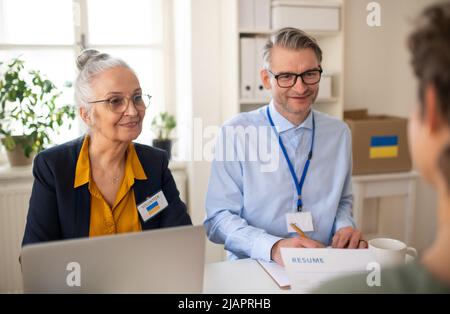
(119,104)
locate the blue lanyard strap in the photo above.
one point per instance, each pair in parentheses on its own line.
(298,185)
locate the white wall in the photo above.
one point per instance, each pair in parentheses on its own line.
(206,99)
(378,77)
(183,74)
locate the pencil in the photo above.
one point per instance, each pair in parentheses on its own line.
(298,230)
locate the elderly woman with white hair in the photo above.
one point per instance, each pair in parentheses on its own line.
(103,183)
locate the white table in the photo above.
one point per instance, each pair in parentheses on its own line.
(239,277)
(384,185)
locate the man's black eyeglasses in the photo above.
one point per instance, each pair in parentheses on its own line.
(287,80)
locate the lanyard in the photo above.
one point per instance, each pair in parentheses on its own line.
(298,185)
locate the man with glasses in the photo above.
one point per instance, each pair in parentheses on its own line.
(306,201)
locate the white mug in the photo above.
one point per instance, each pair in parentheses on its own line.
(390,252)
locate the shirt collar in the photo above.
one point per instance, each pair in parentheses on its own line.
(82,171)
(282,124)
(134,163)
(133,167)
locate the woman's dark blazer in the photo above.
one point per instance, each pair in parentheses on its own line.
(58,211)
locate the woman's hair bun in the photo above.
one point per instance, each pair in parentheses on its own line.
(85,56)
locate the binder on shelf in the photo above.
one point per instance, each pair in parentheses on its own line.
(261,11)
(248,64)
(246,14)
(260,92)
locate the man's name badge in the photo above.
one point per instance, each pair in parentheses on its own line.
(152,206)
(303,220)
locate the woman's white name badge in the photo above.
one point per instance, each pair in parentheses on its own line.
(303,220)
(152,206)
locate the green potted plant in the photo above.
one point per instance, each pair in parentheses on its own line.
(162,125)
(28,111)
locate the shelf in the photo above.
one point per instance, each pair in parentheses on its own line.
(331,42)
(247,31)
(309,3)
(386,176)
(254,101)
(326,100)
(266,32)
(323,34)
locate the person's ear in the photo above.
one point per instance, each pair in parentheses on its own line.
(85,115)
(432,112)
(265,78)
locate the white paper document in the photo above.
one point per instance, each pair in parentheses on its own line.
(306,269)
(277,273)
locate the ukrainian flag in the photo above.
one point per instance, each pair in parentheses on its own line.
(152,208)
(384,147)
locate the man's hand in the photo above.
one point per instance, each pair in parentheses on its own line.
(350,238)
(297,242)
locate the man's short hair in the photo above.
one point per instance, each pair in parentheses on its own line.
(290,38)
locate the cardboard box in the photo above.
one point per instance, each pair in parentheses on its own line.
(306,15)
(380,143)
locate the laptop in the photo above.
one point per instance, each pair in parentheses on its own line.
(169,260)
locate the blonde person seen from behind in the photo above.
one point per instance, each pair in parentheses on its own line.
(96,185)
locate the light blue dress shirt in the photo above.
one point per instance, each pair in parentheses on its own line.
(248,197)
